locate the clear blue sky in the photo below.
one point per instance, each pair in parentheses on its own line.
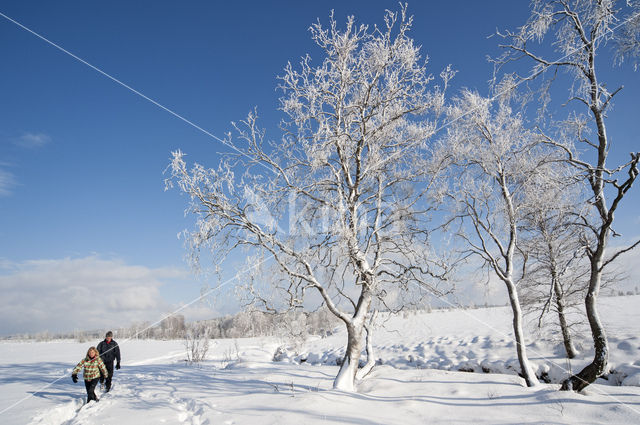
(82,200)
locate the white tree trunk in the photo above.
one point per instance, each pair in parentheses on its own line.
(355,326)
(371,361)
(345,380)
(525,367)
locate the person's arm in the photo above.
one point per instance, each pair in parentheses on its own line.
(117,350)
(78,367)
(74,372)
(103,368)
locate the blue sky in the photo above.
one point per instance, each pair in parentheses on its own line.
(82,200)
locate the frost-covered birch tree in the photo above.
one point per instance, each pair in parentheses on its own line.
(584,36)
(325,204)
(556,276)
(496,159)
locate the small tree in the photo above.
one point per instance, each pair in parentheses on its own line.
(356,219)
(582,29)
(555,279)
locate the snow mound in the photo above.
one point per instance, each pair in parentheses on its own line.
(633,380)
(59,414)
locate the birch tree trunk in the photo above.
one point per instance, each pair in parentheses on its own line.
(371,361)
(521,349)
(598,366)
(345,380)
(562,320)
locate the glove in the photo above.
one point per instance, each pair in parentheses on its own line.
(74,378)
(101,379)
(118,366)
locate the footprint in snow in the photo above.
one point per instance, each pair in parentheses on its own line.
(190,411)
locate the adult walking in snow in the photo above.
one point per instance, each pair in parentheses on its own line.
(93,368)
(109,352)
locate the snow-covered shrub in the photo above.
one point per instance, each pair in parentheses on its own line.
(197,345)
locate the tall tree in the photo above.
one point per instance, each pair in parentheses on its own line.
(495,159)
(356,219)
(582,29)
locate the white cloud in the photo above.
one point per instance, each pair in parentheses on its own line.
(80,293)
(7,182)
(32,140)
(198,310)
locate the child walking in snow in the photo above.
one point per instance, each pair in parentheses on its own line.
(93,368)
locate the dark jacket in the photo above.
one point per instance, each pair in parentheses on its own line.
(109,351)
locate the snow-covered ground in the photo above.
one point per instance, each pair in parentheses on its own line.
(416,382)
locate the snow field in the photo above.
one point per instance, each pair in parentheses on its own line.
(480,340)
(416,381)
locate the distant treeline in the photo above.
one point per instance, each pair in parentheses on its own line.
(241,325)
(245,324)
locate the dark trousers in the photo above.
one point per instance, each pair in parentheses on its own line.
(109,376)
(91,386)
